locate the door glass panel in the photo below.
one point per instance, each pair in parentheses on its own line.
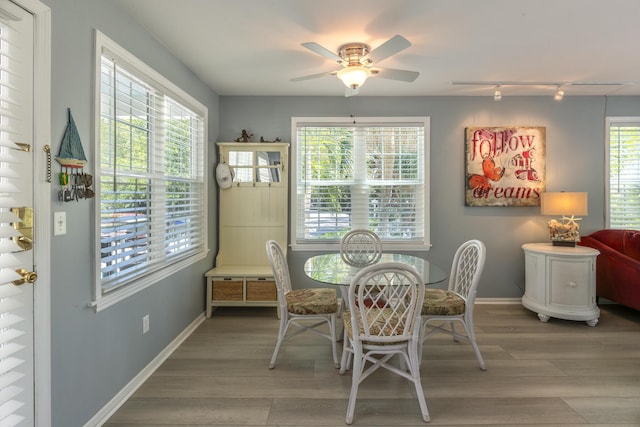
(17,264)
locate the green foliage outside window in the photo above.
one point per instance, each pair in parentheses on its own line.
(386,165)
(624,175)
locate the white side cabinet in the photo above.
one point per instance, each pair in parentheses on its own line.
(560,282)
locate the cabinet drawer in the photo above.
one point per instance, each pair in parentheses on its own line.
(227,290)
(569,281)
(261,290)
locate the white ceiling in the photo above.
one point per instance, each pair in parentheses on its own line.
(252,47)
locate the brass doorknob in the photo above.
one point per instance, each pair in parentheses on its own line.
(27,277)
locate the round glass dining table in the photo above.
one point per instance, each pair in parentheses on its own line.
(331,269)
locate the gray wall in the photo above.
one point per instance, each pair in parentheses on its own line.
(94,355)
(575,152)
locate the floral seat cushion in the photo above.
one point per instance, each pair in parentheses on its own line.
(439,302)
(382,321)
(312,301)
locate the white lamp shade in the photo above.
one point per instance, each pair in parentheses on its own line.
(563,203)
(353,77)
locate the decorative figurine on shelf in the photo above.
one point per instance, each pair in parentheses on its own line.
(275,140)
(244,137)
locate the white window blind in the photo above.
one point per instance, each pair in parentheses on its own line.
(12,357)
(369,174)
(152,183)
(624,173)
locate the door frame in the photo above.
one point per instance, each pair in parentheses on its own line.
(42,209)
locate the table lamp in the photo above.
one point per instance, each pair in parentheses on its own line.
(564,232)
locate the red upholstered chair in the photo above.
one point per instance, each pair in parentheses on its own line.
(617,266)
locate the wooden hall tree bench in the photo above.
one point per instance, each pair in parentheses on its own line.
(252,210)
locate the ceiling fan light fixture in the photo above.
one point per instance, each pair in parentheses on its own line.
(354,76)
(356,60)
(559,95)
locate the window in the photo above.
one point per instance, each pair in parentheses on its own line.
(369,173)
(623,189)
(151,193)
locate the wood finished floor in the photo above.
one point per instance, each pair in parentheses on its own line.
(561,373)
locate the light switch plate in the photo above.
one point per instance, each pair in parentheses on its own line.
(59,223)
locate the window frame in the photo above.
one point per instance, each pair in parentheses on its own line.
(423,245)
(632,121)
(104,46)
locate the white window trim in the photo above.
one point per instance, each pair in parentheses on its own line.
(102,301)
(607,162)
(324,246)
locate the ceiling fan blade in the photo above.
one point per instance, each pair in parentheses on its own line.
(312,76)
(322,51)
(392,46)
(392,74)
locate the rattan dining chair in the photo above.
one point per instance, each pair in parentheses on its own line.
(374,335)
(360,247)
(298,307)
(442,309)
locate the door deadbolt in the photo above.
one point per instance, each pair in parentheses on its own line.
(25,227)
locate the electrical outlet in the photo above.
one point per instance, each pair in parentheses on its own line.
(145,324)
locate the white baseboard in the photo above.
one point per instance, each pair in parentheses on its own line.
(498,300)
(601,301)
(119,399)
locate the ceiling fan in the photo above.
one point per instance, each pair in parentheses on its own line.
(358,62)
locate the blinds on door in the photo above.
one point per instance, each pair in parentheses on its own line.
(11,352)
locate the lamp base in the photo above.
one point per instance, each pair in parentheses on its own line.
(563,243)
(565,232)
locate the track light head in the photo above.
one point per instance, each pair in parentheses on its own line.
(497,95)
(558,85)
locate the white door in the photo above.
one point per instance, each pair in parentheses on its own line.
(17,403)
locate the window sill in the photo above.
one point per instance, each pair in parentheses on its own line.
(107,300)
(387,246)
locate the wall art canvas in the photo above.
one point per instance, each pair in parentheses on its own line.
(505,166)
